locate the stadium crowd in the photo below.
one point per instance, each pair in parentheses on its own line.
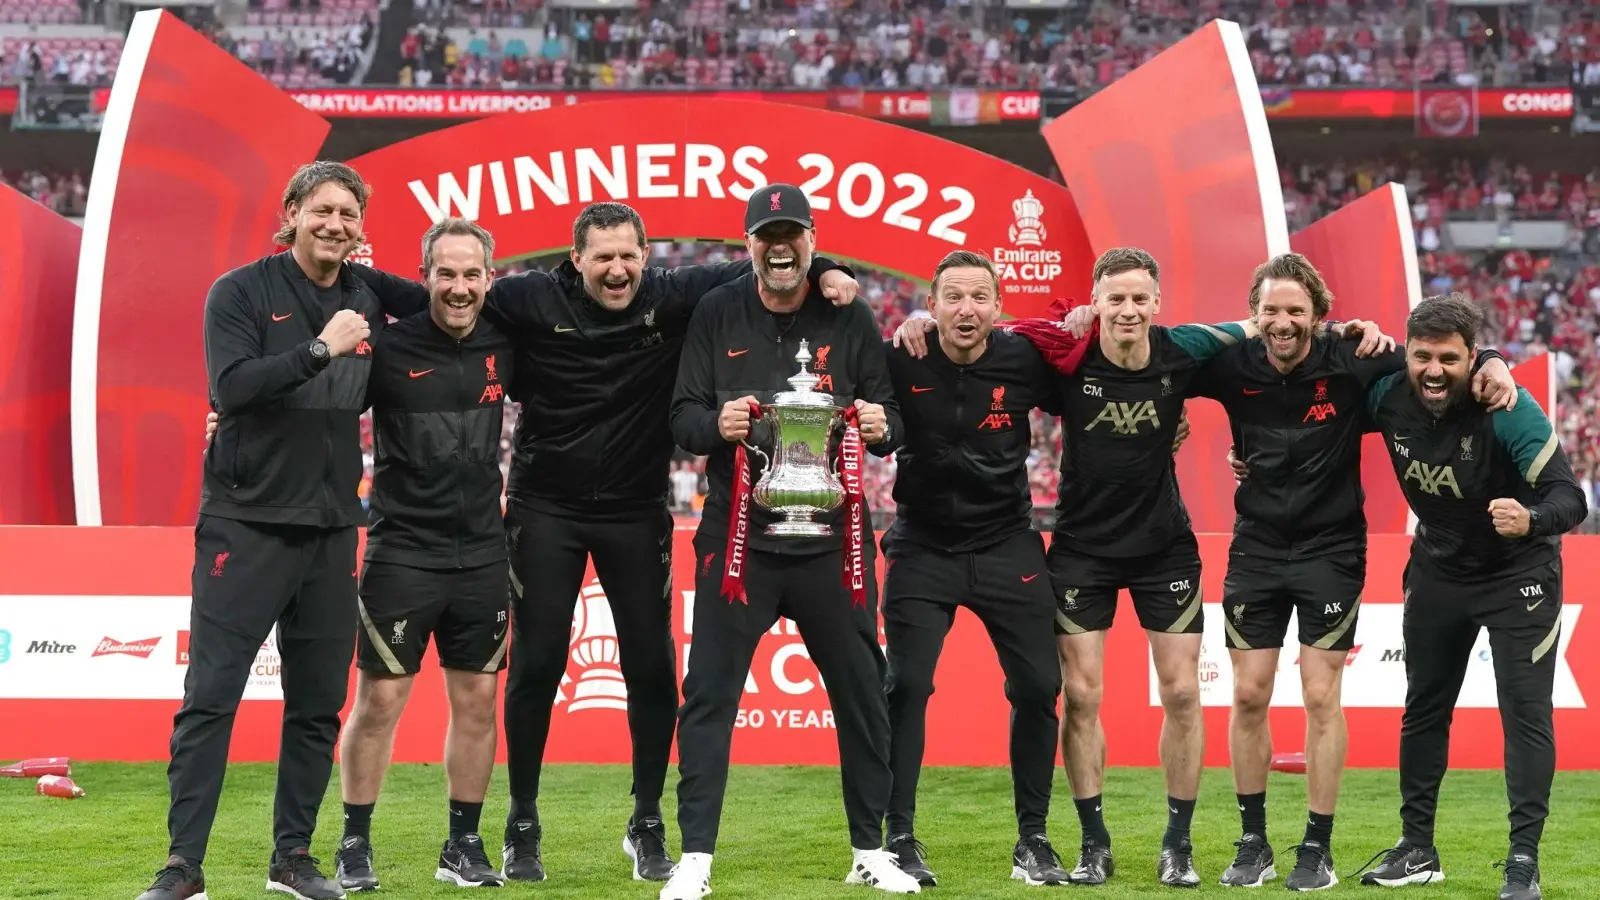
(850,44)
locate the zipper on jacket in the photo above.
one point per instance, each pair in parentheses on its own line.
(961,425)
(461,443)
(1288,455)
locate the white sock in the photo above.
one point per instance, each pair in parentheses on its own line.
(703,859)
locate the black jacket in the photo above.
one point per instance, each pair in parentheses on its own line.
(437,412)
(1300,436)
(288,443)
(1452,467)
(961,474)
(735,347)
(592,441)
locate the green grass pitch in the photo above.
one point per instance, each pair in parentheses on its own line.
(783,833)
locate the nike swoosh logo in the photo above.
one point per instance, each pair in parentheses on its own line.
(733,353)
(1413,869)
(499,637)
(1402,438)
(1028,578)
(1535,605)
(419,374)
(278,318)
(560,330)
(919,390)
(1250,393)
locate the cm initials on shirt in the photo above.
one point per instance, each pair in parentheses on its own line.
(1125,418)
(1433,479)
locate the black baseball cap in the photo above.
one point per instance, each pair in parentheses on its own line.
(777,203)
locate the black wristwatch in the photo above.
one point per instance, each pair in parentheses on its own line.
(1533,521)
(319,350)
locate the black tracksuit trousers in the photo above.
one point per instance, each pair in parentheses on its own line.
(1007,585)
(1442,618)
(249,577)
(633,561)
(842,640)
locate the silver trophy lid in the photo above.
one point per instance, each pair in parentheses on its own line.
(802,386)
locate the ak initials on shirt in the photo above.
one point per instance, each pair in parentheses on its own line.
(1433,479)
(1126,418)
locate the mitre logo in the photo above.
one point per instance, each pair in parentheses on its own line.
(593,651)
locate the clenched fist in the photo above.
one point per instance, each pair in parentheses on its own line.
(345,331)
(872,421)
(734,422)
(1510,517)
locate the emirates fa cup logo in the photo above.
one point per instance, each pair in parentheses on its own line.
(599,683)
(1028,231)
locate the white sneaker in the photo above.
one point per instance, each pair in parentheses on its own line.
(879,869)
(690,879)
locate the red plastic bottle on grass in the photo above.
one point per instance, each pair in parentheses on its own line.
(33,768)
(58,786)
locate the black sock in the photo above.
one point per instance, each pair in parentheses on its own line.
(1179,814)
(358,820)
(1253,813)
(644,809)
(464,818)
(1091,820)
(522,810)
(1319,828)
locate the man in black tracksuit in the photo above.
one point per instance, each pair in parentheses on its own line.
(741,349)
(287,358)
(963,536)
(1493,493)
(436,551)
(1293,397)
(597,344)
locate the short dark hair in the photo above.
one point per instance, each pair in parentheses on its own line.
(1444,315)
(604,215)
(1125,259)
(458,226)
(965,259)
(1296,268)
(305,182)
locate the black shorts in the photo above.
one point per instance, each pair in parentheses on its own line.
(465,609)
(1324,593)
(1165,586)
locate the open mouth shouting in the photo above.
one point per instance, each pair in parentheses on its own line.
(616,288)
(1435,388)
(967,329)
(781,262)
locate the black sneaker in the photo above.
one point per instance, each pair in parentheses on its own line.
(353,865)
(464,863)
(1404,864)
(1252,865)
(1176,866)
(178,880)
(520,856)
(1522,878)
(1094,864)
(295,873)
(911,857)
(1035,862)
(1313,868)
(646,844)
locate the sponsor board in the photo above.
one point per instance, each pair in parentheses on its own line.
(120,706)
(97,647)
(1375,672)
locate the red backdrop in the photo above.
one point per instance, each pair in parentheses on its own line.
(119,598)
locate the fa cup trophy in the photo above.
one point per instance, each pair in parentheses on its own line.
(799,482)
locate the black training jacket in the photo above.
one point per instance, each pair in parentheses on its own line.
(437,412)
(961,474)
(1300,437)
(593,441)
(288,442)
(735,347)
(1453,466)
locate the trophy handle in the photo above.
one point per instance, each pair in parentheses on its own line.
(766,461)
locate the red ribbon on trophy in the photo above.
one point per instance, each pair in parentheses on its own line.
(850,450)
(738,519)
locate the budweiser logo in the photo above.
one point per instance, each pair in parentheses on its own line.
(141,649)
